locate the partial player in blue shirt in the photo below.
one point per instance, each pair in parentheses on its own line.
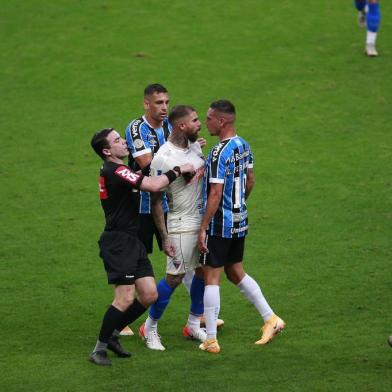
(228,163)
(369,16)
(228,181)
(144,137)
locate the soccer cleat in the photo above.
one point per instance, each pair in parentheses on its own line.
(100,358)
(127,332)
(362,19)
(198,334)
(152,339)
(273,326)
(219,323)
(211,346)
(370,50)
(115,346)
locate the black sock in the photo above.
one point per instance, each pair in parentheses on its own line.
(131,314)
(111,321)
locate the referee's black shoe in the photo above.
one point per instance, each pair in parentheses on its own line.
(115,346)
(100,358)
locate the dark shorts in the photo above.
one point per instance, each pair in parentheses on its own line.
(223,251)
(147,230)
(124,257)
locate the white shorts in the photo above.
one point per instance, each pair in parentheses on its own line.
(187,254)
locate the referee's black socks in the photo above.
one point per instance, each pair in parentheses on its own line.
(111,320)
(132,313)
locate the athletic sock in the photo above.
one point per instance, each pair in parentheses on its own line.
(132,313)
(99,346)
(164,294)
(360,4)
(197,294)
(111,320)
(373,17)
(211,309)
(193,322)
(187,280)
(249,287)
(371,37)
(150,324)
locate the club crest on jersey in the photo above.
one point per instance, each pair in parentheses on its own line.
(138,143)
(152,140)
(127,174)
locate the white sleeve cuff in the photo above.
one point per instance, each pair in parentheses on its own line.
(142,152)
(217,180)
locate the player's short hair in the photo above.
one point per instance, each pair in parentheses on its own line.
(154,88)
(223,106)
(99,141)
(178,112)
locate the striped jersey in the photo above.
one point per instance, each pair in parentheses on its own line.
(227,164)
(141,139)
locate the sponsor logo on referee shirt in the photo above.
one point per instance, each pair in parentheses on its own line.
(127,174)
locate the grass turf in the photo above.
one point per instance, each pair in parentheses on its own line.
(315,111)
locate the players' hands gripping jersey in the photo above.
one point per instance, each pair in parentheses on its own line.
(142,139)
(227,164)
(184,195)
(118,191)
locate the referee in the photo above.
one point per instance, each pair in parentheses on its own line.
(124,256)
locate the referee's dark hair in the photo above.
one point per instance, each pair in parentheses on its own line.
(223,106)
(178,112)
(154,88)
(99,141)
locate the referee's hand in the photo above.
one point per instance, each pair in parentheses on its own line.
(201,242)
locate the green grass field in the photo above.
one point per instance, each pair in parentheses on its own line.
(315,111)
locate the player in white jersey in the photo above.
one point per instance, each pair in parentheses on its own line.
(179,238)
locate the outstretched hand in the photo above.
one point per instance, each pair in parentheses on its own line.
(187,168)
(202,142)
(196,177)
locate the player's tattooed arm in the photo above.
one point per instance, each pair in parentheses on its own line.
(159,219)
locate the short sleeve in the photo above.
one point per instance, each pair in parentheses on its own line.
(136,136)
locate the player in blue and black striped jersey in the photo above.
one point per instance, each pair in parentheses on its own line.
(144,136)
(228,181)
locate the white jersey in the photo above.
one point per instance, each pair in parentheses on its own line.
(184,199)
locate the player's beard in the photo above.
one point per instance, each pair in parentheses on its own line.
(193,138)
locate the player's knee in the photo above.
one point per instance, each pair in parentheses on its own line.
(123,303)
(174,280)
(148,298)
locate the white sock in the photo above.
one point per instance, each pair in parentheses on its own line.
(150,324)
(193,322)
(371,37)
(249,287)
(211,309)
(187,280)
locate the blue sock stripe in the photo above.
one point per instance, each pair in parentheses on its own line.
(197,294)
(373,17)
(164,294)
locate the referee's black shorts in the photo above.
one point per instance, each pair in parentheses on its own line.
(223,251)
(147,230)
(124,257)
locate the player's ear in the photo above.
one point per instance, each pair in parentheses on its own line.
(146,104)
(106,152)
